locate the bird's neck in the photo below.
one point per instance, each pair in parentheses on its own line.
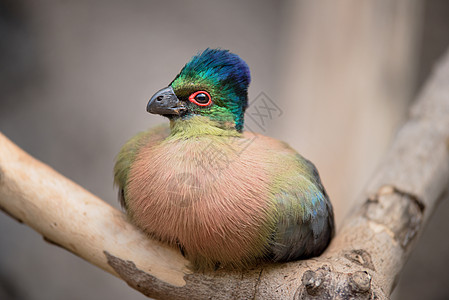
(200,125)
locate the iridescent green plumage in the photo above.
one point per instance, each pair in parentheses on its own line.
(225,76)
(224,196)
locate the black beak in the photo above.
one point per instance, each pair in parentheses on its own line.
(165,103)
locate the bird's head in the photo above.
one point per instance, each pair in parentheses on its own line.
(213,84)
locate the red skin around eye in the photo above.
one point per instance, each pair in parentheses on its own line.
(193,95)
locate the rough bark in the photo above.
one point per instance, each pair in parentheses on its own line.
(363,261)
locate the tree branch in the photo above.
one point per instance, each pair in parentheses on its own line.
(362,262)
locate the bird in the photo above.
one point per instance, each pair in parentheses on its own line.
(224,196)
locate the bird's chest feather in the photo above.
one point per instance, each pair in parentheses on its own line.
(211,194)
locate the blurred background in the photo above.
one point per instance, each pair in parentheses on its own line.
(75,77)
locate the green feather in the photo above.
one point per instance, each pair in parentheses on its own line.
(225,76)
(127,156)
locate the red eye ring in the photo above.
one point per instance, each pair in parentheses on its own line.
(193,100)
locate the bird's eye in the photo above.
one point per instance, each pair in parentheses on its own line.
(201,98)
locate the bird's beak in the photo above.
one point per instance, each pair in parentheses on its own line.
(165,103)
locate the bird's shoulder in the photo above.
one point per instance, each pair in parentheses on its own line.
(305,217)
(279,153)
(129,151)
(306,220)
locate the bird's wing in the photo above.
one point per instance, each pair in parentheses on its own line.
(305,217)
(128,153)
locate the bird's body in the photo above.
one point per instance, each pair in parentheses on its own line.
(225,196)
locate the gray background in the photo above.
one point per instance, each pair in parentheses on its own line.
(75,77)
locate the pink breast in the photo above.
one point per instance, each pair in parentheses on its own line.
(212,198)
